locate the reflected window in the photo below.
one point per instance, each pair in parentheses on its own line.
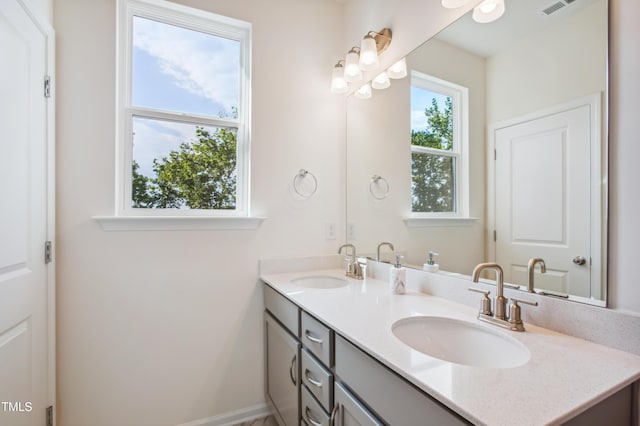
(437,144)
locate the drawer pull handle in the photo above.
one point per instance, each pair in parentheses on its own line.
(310,419)
(315,382)
(293,363)
(334,413)
(311,337)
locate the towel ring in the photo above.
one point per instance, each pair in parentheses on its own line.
(299,177)
(375,181)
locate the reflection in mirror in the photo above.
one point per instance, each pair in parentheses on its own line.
(494,149)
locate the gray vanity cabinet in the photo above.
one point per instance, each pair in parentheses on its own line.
(393,399)
(282,357)
(350,411)
(282,352)
(302,356)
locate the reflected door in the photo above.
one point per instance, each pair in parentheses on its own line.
(543,199)
(23,219)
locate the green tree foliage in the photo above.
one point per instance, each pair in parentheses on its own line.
(432,185)
(142,197)
(201,174)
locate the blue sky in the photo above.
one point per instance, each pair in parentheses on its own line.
(178,70)
(420,100)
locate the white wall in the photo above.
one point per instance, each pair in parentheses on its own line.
(160,328)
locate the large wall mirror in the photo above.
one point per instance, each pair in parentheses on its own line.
(492,148)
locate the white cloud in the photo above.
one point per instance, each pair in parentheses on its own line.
(155,139)
(200,63)
(418,120)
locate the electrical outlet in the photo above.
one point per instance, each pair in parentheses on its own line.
(330,231)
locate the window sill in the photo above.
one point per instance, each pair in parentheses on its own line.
(176,223)
(432,222)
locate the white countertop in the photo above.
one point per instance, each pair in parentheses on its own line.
(564,376)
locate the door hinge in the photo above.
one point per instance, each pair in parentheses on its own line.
(47,86)
(48,252)
(495,235)
(495,154)
(50,415)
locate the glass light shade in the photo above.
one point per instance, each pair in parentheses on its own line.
(364,92)
(381,81)
(452,4)
(488,11)
(338,83)
(398,70)
(368,54)
(352,71)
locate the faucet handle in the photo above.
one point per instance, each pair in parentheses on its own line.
(515,317)
(526,302)
(485,303)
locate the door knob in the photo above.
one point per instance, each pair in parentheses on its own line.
(579,260)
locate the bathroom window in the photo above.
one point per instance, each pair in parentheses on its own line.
(183,124)
(438,147)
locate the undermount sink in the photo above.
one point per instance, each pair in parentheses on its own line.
(461,342)
(320,281)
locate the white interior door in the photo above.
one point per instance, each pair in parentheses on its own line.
(542,200)
(24,346)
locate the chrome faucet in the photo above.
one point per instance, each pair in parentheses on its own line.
(384,243)
(531,271)
(354,269)
(499,316)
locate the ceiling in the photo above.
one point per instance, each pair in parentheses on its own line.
(521,17)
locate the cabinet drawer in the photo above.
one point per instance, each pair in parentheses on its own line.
(311,411)
(282,309)
(317,337)
(318,380)
(394,400)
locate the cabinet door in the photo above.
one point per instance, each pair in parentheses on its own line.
(282,369)
(349,411)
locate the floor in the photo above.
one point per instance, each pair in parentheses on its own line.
(263,421)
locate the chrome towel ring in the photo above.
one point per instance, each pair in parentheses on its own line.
(298,187)
(381,186)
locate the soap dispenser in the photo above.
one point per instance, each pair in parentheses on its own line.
(431,265)
(398,277)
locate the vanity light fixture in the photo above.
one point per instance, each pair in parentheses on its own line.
(364,92)
(368,54)
(381,81)
(398,70)
(364,58)
(338,83)
(373,44)
(352,71)
(488,11)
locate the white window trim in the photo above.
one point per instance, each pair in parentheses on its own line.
(181,223)
(186,17)
(460,96)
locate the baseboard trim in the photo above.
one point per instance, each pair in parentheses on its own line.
(232,417)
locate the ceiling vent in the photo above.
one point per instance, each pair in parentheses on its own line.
(552,8)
